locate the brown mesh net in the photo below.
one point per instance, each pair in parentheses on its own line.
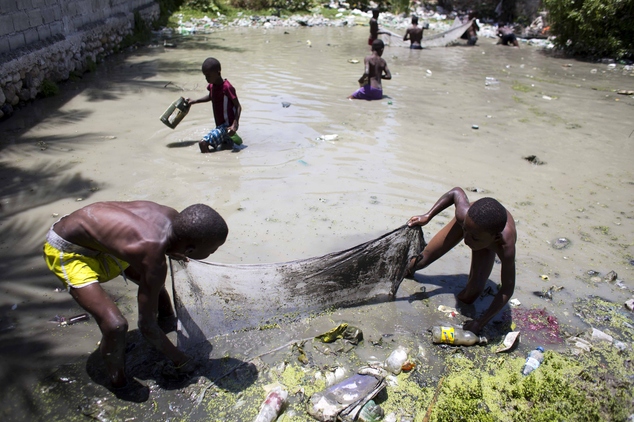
(213,299)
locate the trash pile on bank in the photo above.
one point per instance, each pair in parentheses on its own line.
(433,20)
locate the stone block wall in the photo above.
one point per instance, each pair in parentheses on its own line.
(48,39)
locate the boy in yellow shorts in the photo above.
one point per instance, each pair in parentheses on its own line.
(104,240)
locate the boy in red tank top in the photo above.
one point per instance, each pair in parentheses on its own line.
(225,105)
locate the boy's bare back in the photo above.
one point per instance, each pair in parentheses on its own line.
(123,229)
(414,33)
(376,66)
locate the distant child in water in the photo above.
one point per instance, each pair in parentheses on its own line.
(415,34)
(226,108)
(507,37)
(374,27)
(375,70)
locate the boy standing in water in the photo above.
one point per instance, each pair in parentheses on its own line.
(226,108)
(415,34)
(101,241)
(488,229)
(374,27)
(375,70)
(471,34)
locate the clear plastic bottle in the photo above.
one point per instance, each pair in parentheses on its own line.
(455,336)
(534,359)
(272,405)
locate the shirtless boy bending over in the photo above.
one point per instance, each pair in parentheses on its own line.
(489,230)
(101,241)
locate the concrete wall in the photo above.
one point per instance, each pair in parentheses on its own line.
(49,39)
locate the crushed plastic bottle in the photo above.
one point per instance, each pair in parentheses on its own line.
(395,361)
(272,405)
(534,359)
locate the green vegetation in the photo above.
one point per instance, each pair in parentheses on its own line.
(595,28)
(91,66)
(399,6)
(562,388)
(204,6)
(49,88)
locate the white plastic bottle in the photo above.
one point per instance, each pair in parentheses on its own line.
(272,405)
(534,359)
(395,361)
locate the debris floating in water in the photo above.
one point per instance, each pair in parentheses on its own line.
(534,160)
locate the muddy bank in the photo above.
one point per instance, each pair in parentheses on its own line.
(101,139)
(442,382)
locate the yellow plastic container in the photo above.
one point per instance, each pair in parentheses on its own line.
(175,113)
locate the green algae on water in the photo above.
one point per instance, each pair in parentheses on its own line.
(562,388)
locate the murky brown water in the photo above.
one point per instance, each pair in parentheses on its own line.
(289,195)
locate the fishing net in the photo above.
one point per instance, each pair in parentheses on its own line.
(437,40)
(213,299)
(447,37)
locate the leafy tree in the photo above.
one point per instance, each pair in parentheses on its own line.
(596,28)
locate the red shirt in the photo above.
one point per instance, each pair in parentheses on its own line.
(222,97)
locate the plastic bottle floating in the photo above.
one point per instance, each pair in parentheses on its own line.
(455,336)
(175,113)
(534,359)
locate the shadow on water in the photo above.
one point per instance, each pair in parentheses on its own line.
(18,376)
(25,354)
(46,175)
(181,144)
(22,190)
(203,42)
(155,388)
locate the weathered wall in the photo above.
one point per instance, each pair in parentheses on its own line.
(49,39)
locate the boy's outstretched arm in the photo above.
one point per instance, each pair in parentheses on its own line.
(236,121)
(456,197)
(503,296)
(204,99)
(406,36)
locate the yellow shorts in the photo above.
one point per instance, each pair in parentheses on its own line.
(77,270)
